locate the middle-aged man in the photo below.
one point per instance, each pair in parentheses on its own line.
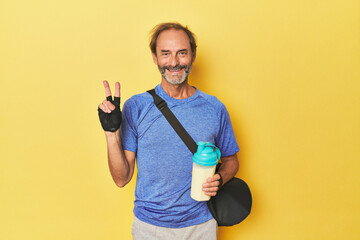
(163,207)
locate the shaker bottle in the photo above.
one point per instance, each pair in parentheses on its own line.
(204,164)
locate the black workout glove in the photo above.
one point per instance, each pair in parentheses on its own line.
(111,121)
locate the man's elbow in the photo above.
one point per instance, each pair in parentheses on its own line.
(121,183)
(236,163)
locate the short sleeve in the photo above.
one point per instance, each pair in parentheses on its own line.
(128,133)
(225,140)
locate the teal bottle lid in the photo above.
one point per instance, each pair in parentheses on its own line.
(207,154)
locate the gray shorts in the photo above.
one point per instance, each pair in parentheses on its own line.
(145,231)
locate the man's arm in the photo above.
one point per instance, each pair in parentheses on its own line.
(228,169)
(121,162)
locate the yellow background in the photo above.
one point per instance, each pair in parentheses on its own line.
(288,72)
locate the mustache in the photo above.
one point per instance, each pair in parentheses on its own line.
(175,68)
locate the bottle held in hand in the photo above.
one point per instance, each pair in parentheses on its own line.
(204,165)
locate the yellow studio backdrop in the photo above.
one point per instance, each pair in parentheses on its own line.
(288,72)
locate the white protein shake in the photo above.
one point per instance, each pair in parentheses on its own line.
(204,165)
(200,175)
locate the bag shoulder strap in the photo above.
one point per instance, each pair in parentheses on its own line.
(174,122)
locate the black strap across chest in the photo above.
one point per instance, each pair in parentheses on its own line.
(174,122)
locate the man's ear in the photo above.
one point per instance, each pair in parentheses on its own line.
(154,58)
(193,57)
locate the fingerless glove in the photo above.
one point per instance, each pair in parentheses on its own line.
(111,121)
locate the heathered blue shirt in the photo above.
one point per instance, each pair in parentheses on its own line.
(164,163)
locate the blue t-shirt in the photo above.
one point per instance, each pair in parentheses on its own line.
(164,163)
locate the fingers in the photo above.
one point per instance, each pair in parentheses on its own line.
(211,186)
(117,94)
(107,89)
(117,89)
(107,106)
(211,191)
(213,179)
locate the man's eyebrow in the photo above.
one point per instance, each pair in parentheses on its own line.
(181,50)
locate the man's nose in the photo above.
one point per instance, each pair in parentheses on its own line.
(174,61)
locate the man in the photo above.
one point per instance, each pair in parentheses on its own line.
(163,207)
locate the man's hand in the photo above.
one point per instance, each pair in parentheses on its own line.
(211,186)
(228,169)
(109,110)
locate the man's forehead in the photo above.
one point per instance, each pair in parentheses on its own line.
(172,39)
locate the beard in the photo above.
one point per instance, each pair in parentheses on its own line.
(175,80)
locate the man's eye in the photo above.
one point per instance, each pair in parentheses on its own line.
(165,54)
(183,53)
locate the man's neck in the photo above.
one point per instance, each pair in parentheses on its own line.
(181,91)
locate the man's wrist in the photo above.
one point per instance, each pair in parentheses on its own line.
(109,134)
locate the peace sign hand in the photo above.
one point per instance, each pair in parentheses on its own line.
(109,110)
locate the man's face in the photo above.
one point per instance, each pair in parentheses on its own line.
(173,56)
